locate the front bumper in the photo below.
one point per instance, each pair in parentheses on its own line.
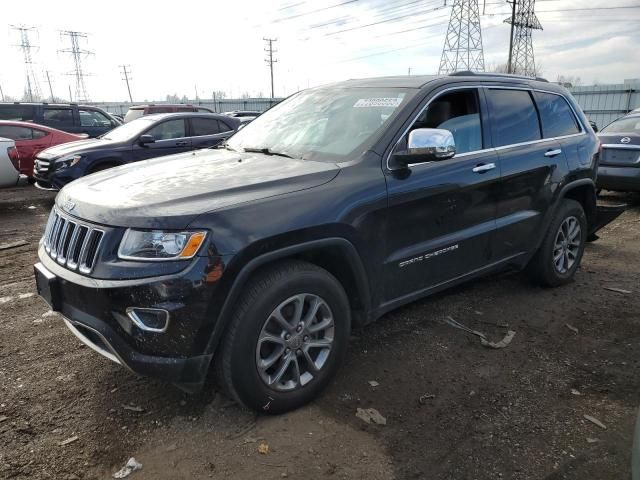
(620,179)
(96,312)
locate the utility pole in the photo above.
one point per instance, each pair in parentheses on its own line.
(195,87)
(32,88)
(1,93)
(270,60)
(463,42)
(70,97)
(513,22)
(409,73)
(50,88)
(77,54)
(126,78)
(523,22)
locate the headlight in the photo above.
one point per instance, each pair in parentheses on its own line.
(66,162)
(160,245)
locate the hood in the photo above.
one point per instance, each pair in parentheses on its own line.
(172,191)
(70,148)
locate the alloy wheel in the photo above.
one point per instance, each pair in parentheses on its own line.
(567,245)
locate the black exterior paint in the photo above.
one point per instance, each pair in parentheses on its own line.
(358,219)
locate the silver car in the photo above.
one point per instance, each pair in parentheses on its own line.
(9,175)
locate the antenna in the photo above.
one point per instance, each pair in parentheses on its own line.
(77,54)
(32,88)
(523,21)
(463,42)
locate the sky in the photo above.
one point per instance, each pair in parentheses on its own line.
(204,46)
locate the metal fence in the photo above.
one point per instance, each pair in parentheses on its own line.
(224,105)
(604,103)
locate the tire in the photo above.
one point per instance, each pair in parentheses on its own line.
(543,268)
(255,338)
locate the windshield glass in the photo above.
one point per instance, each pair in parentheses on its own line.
(128,130)
(624,125)
(326,123)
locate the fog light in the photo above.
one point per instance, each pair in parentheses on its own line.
(149,319)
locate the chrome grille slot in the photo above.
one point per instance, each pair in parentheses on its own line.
(71,243)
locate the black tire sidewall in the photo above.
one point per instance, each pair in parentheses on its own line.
(569,208)
(246,381)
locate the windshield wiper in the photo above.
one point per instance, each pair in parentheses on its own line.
(266,151)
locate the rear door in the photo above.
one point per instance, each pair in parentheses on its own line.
(442,214)
(208,132)
(170,137)
(532,168)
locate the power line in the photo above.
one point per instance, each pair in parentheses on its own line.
(32,87)
(77,55)
(463,41)
(270,60)
(126,77)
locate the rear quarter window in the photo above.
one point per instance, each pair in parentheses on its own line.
(513,117)
(24,113)
(556,115)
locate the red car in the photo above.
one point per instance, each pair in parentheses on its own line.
(31,139)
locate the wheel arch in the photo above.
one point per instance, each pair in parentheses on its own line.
(337,255)
(584,192)
(114,161)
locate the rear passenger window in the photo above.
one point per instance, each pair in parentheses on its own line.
(23,113)
(513,117)
(556,115)
(58,116)
(204,126)
(15,133)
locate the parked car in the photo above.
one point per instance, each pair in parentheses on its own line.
(147,137)
(30,139)
(243,113)
(142,110)
(334,207)
(9,174)
(619,168)
(68,117)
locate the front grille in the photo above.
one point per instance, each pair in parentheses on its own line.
(72,243)
(41,166)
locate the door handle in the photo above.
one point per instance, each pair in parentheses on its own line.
(181,144)
(484,167)
(553,153)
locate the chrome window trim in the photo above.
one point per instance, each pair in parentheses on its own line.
(621,146)
(492,149)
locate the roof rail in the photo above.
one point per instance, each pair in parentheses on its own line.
(468,73)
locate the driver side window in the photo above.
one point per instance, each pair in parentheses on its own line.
(168,130)
(457,112)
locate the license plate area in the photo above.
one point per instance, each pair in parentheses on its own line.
(48,286)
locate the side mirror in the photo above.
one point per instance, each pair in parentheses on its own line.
(144,139)
(594,125)
(426,145)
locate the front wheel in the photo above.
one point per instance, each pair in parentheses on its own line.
(556,261)
(286,339)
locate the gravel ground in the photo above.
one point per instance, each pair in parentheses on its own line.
(454,409)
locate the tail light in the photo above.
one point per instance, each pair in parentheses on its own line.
(14,156)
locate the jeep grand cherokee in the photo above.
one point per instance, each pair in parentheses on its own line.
(336,206)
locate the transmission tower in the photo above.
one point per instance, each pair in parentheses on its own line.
(32,86)
(270,60)
(463,42)
(77,54)
(523,21)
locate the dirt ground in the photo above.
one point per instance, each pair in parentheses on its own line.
(516,413)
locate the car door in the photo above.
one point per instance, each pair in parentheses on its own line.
(531,165)
(170,136)
(60,118)
(208,132)
(441,214)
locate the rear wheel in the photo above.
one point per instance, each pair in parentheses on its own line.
(556,261)
(287,338)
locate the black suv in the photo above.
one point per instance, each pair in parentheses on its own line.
(336,206)
(68,117)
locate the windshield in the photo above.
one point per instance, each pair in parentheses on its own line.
(128,130)
(327,123)
(624,125)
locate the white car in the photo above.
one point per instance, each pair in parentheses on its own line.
(9,175)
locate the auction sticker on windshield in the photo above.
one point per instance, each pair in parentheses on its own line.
(378,102)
